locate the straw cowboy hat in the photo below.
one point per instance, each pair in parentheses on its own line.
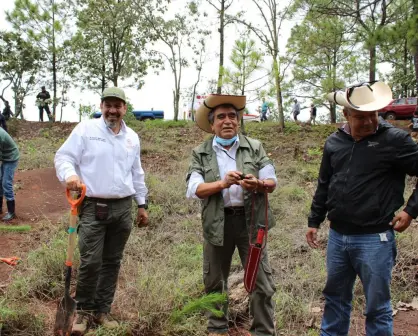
(211,102)
(367,97)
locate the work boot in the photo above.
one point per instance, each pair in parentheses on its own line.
(106,320)
(10,211)
(80,325)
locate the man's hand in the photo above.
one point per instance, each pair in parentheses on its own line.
(142,218)
(73,183)
(250,183)
(311,237)
(401,221)
(231,177)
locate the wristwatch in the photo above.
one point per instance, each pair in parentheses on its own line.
(144,206)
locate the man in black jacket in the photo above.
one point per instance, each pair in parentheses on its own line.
(43,99)
(360,187)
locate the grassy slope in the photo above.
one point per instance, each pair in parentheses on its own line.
(161,271)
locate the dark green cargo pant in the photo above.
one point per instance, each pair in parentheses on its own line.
(216,267)
(101,244)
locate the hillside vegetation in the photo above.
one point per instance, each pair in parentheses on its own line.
(162,267)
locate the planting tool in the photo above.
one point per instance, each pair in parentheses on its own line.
(67,306)
(255,251)
(12,261)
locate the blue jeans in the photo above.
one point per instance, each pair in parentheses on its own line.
(8,169)
(371,257)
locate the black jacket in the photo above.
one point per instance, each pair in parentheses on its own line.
(43,95)
(361,184)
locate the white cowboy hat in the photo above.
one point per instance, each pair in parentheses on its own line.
(367,97)
(213,101)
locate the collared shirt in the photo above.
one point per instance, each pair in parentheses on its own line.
(347,129)
(234,195)
(108,164)
(296,108)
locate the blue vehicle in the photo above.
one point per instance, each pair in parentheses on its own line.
(140,115)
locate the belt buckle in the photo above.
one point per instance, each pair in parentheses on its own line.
(234,212)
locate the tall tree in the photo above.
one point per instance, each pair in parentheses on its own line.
(245,59)
(44,23)
(326,58)
(221,7)
(370,18)
(178,35)
(20,63)
(272,19)
(110,42)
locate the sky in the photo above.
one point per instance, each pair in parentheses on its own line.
(157,91)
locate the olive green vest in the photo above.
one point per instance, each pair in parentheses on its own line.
(250,158)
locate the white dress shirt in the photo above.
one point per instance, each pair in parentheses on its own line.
(108,164)
(234,195)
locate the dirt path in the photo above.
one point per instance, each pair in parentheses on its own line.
(39,196)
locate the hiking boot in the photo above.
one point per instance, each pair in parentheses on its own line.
(10,211)
(217,334)
(80,325)
(106,320)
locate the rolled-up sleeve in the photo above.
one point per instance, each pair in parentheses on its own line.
(195,180)
(267,173)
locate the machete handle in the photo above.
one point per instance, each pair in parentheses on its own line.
(76,202)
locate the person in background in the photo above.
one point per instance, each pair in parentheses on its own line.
(9,154)
(313,114)
(264,109)
(7,112)
(43,99)
(296,109)
(413,126)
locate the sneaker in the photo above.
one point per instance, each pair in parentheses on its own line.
(107,321)
(80,325)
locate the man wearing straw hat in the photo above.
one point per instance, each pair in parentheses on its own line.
(225,172)
(360,187)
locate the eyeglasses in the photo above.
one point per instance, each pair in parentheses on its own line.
(350,90)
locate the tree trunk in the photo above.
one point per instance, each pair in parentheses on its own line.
(54,64)
(372,66)
(242,119)
(221,47)
(333,109)
(115,80)
(103,67)
(278,92)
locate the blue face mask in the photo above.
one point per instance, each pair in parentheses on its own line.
(225,142)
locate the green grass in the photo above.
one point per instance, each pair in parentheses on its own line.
(15,228)
(160,289)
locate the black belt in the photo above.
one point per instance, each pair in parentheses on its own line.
(234,211)
(107,200)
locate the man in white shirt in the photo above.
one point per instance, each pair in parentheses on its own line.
(296,109)
(103,154)
(225,173)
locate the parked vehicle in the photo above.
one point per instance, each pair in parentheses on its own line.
(249,117)
(140,115)
(402,108)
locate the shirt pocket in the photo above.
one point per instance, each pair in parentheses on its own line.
(209,174)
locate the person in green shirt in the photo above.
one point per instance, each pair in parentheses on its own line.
(9,156)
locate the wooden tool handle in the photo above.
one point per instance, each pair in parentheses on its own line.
(71,240)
